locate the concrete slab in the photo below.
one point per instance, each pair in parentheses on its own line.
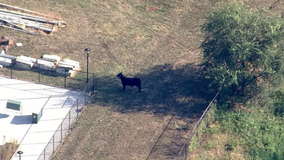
(17,125)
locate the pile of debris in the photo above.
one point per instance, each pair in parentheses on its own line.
(27,21)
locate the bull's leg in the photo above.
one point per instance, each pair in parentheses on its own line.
(124,87)
(139,87)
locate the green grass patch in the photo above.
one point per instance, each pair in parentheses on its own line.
(255,133)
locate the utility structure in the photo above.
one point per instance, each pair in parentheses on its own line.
(87,51)
(20,153)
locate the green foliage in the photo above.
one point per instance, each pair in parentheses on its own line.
(242,50)
(202,128)
(231,145)
(192,144)
(260,134)
(277,98)
(243,56)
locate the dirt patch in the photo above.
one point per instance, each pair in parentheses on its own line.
(151,8)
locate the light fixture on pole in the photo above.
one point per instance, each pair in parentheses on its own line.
(20,153)
(87,51)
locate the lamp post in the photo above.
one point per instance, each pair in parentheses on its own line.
(87,50)
(19,153)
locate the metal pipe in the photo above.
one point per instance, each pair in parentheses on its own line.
(87,50)
(87,68)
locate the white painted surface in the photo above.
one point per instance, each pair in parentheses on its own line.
(15,124)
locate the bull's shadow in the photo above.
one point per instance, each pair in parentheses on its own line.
(166,90)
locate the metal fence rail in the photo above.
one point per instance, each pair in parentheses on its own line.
(79,82)
(183,154)
(51,78)
(63,129)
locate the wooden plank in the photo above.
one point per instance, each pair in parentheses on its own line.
(74,74)
(5,19)
(25,31)
(23,10)
(32,12)
(30,17)
(26,23)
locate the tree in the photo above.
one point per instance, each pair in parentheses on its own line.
(242,50)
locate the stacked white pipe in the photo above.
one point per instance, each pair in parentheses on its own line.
(6,60)
(68,67)
(48,62)
(51,58)
(25,62)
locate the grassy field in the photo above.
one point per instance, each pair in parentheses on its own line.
(161,47)
(158,41)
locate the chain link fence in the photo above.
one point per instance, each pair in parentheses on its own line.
(64,128)
(183,154)
(51,78)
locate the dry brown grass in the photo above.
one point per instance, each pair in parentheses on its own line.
(161,46)
(7,150)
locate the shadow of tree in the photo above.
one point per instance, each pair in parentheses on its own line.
(166,90)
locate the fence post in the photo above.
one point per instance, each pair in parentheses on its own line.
(38,73)
(185,152)
(65,78)
(77,108)
(11,74)
(53,145)
(87,90)
(93,87)
(44,154)
(85,98)
(61,133)
(69,120)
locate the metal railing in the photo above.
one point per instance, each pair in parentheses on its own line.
(183,154)
(63,130)
(51,78)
